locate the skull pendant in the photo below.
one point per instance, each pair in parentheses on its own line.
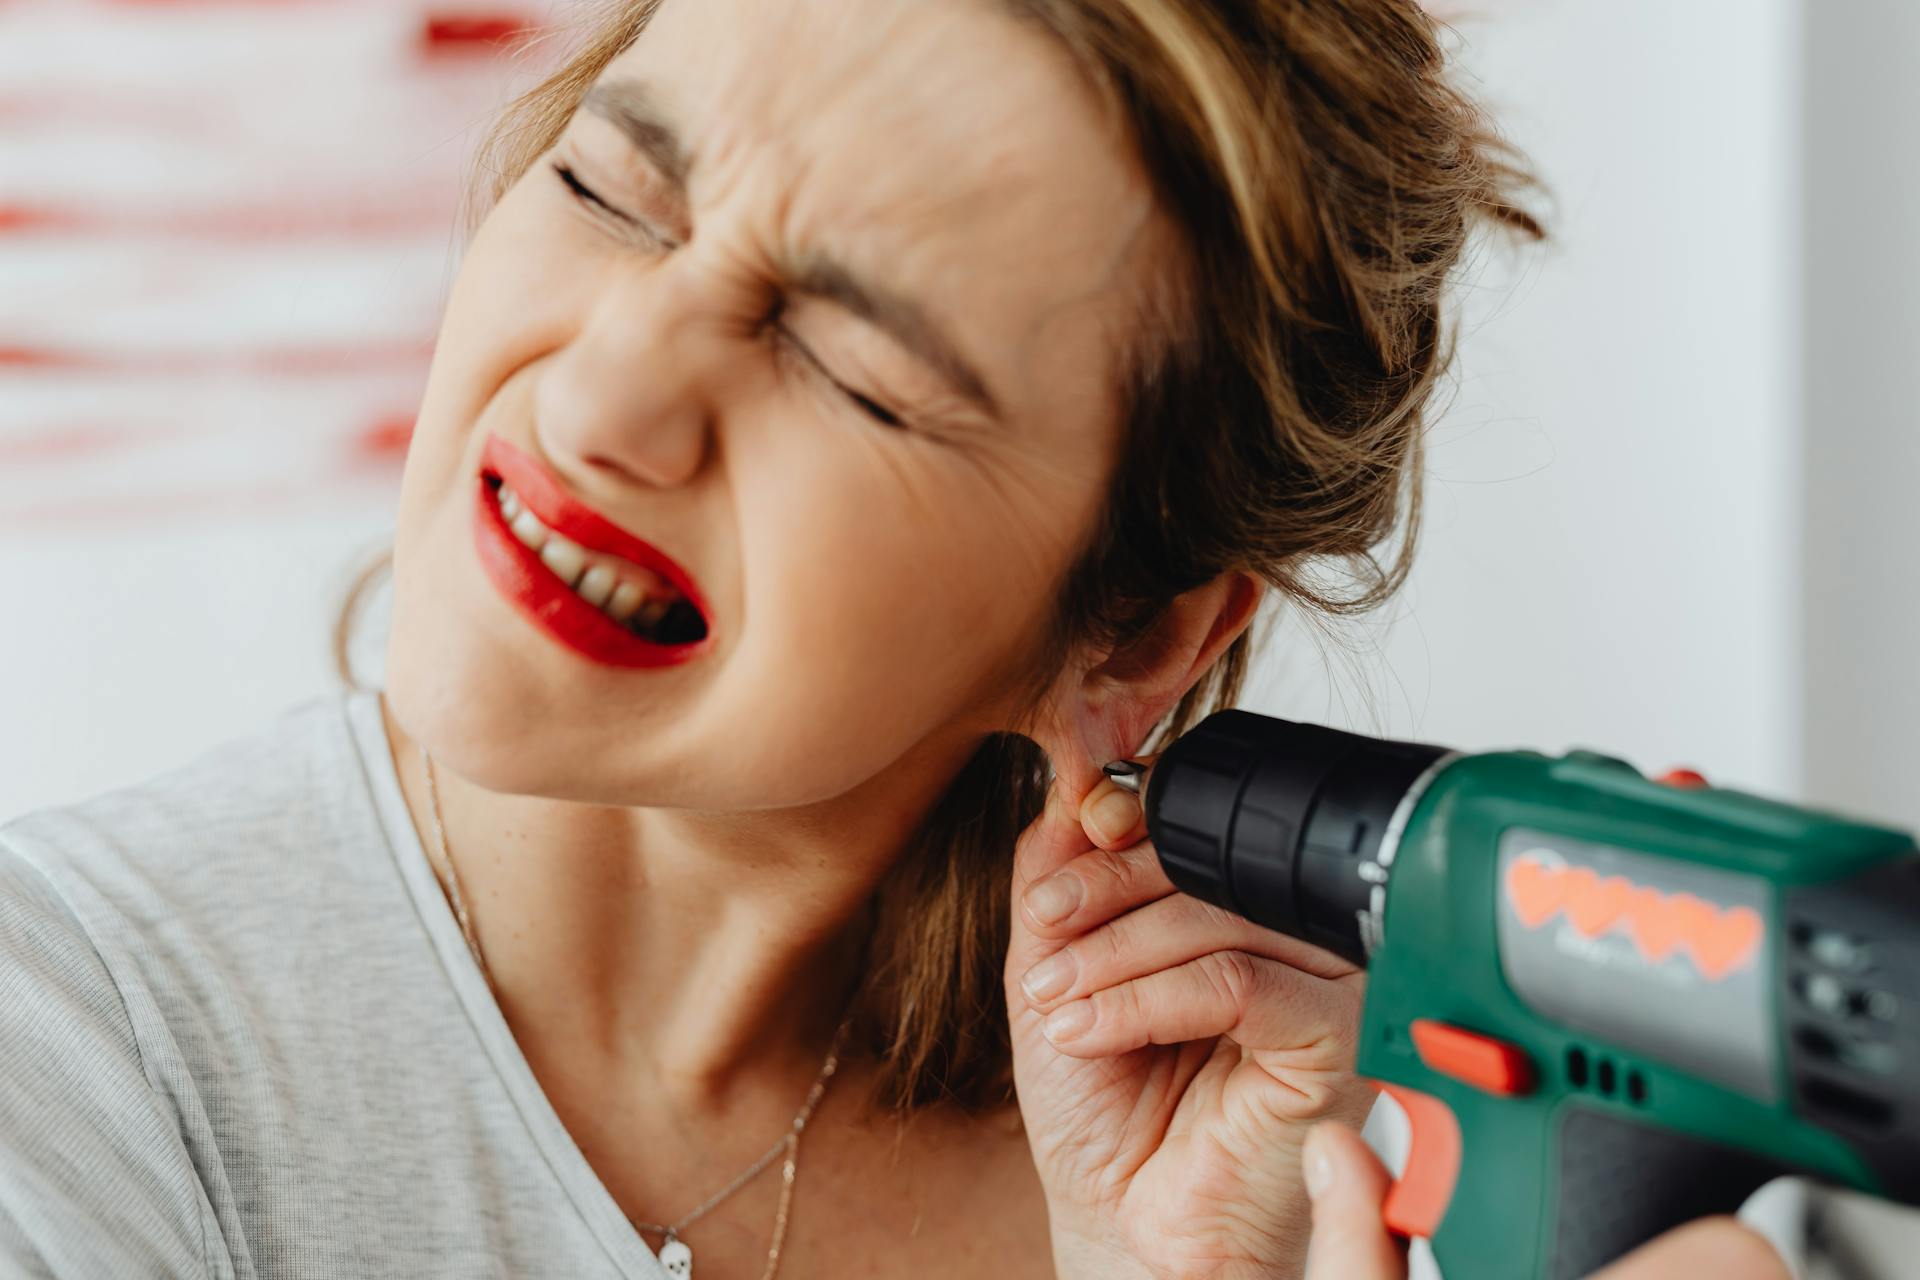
(677,1258)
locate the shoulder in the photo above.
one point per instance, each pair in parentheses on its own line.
(280,776)
(96,1178)
(203,847)
(143,932)
(111,887)
(230,884)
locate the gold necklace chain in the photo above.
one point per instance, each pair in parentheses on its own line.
(674,1252)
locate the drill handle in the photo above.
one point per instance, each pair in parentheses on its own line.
(1508,1190)
(1620,1182)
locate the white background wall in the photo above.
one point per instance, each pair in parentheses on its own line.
(1612,556)
(1860,451)
(245,241)
(1617,549)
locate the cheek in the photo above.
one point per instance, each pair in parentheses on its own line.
(518,295)
(890,567)
(523,289)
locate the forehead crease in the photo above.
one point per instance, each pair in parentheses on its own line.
(988,191)
(871,74)
(829,60)
(1011,215)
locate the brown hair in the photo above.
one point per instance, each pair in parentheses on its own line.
(1325,177)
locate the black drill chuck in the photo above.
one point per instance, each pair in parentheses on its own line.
(1274,820)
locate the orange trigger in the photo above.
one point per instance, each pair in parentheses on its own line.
(1419,1199)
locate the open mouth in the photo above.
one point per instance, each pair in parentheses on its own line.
(635,597)
(607,594)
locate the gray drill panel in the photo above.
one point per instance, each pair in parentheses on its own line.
(1665,958)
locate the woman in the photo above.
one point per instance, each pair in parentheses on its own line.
(852,425)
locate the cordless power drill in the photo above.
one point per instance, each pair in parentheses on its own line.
(1608,1004)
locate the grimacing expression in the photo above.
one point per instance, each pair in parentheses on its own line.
(826,301)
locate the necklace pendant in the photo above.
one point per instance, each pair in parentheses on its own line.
(677,1258)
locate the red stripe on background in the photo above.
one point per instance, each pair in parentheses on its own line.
(105,106)
(386,438)
(121,508)
(449,32)
(225,4)
(299,361)
(357,467)
(381,441)
(262,222)
(17,218)
(239,499)
(51,444)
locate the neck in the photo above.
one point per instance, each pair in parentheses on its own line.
(710,956)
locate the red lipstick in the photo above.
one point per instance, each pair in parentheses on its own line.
(539,595)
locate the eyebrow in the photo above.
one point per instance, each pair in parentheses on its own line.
(632,108)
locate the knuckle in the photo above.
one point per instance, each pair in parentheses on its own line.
(1115,944)
(1119,1006)
(1217,919)
(1109,870)
(1232,976)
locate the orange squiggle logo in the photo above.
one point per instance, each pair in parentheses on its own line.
(1720,940)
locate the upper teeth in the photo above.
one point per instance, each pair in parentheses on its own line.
(623,591)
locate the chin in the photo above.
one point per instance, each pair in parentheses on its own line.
(466,703)
(484,714)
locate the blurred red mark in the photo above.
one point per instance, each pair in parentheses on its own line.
(274,495)
(260,222)
(385,438)
(442,33)
(94,106)
(70,440)
(380,444)
(118,509)
(297,361)
(36,358)
(214,4)
(14,218)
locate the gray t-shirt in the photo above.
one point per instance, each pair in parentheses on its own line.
(241,1035)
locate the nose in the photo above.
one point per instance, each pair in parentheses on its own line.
(631,391)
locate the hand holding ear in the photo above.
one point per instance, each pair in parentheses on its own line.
(1169,1056)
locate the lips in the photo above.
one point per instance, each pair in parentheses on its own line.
(540,596)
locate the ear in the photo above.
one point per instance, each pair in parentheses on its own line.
(1103,712)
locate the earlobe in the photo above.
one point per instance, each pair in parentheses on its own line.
(1116,704)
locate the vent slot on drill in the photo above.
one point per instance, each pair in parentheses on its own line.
(1603,1075)
(1844,1104)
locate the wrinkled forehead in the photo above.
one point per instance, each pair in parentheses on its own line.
(941,146)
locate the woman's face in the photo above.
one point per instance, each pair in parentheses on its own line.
(822,301)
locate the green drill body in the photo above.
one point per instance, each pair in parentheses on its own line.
(1687,990)
(1608,1004)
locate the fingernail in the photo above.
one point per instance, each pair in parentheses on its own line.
(1070,1022)
(1316,1166)
(1114,815)
(1053,899)
(1050,977)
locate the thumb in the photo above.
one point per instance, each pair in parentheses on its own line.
(1347,1184)
(1707,1247)
(1053,840)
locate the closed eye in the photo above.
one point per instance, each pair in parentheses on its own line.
(872,408)
(878,412)
(586,196)
(582,194)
